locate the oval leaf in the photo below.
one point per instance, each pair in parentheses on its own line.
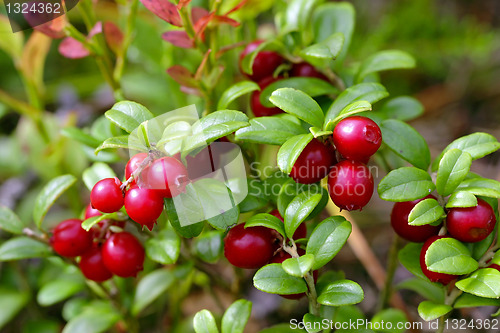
(461,199)
(298,266)
(405,184)
(299,104)
(235,91)
(270,130)
(58,290)
(128,115)
(429,310)
(236,316)
(204,322)
(23,248)
(150,288)
(10,222)
(341,292)
(273,279)
(299,209)
(268,221)
(164,248)
(385,60)
(290,151)
(483,283)
(453,168)
(448,255)
(426,212)
(95,173)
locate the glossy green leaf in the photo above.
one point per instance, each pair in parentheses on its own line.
(405,184)
(341,292)
(120,142)
(299,209)
(327,239)
(10,222)
(269,130)
(453,168)
(298,14)
(349,110)
(49,194)
(409,257)
(481,187)
(268,221)
(90,222)
(256,197)
(58,290)
(236,316)
(95,173)
(461,199)
(448,255)
(483,283)
(204,322)
(128,115)
(393,318)
(426,212)
(95,318)
(318,132)
(385,60)
(312,323)
(226,219)
(402,108)
(80,136)
(186,231)
(299,104)
(23,248)
(429,310)
(429,290)
(164,248)
(290,189)
(150,287)
(406,142)
(471,301)
(290,151)
(329,48)
(298,266)
(273,279)
(209,246)
(235,91)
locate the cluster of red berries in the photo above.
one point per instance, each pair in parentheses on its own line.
(469,225)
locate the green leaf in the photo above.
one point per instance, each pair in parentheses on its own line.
(317,132)
(209,246)
(349,110)
(164,248)
(461,199)
(298,14)
(204,322)
(327,49)
(405,184)
(431,291)
(369,92)
(481,186)
(235,91)
(269,130)
(290,151)
(472,301)
(128,115)
(226,219)
(95,173)
(299,104)
(298,266)
(11,43)
(186,231)
(477,145)
(91,221)
(409,258)
(429,310)
(273,279)
(11,302)
(10,222)
(290,189)
(448,255)
(256,197)
(406,142)
(95,318)
(341,292)
(384,60)
(393,318)
(236,316)
(426,212)
(120,142)
(58,290)
(453,168)
(299,209)
(80,136)
(49,194)
(483,283)
(150,287)
(312,323)
(268,221)
(402,108)
(327,239)
(23,248)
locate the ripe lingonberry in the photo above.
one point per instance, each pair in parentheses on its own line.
(300,232)
(143,205)
(92,265)
(70,239)
(258,109)
(434,276)
(133,164)
(250,248)
(494,266)
(123,254)
(167,176)
(304,69)
(264,64)
(91,212)
(399,222)
(357,138)
(471,224)
(350,185)
(106,196)
(313,163)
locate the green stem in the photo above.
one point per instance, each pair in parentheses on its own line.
(392,264)
(127,40)
(440,325)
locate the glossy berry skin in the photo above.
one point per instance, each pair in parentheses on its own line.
(304,69)
(471,224)
(106,196)
(123,254)
(70,239)
(167,176)
(91,212)
(133,164)
(264,64)
(494,266)
(258,109)
(357,138)
(399,222)
(92,265)
(434,276)
(314,163)
(301,231)
(350,185)
(249,248)
(143,205)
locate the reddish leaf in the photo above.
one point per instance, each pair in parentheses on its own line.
(96,29)
(53,28)
(178,38)
(199,71)
(114,36)
(223,19)
(165,10)
(197,13)
(237,7)
(202,23)
(191,91)
(182,76)
(72,49)
(182,3)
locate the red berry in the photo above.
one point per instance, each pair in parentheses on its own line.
(313,163)
(300,232)
(70,239)
(249,248)
(91,212)
(434,276)
(357,138)
(143,205)
(123,254)
(304,69)
(134,163)
(494,266)
(258,109)
(264,64)
(350,185)
(106,196)
(92,265)
(471,224)
(167,176)
(399,222)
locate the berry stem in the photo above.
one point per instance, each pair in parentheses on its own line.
(41,238)
(148,160)
(392,265)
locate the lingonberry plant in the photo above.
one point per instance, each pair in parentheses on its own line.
(161,213)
